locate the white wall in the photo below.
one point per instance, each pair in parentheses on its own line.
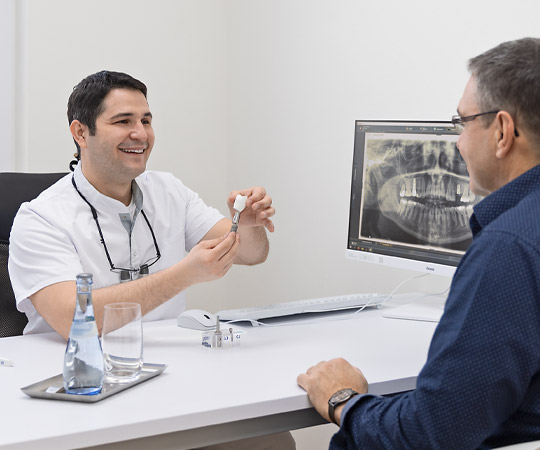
(301,73)
(7,85)
(269,88)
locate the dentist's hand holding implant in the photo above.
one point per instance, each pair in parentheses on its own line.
(257,210)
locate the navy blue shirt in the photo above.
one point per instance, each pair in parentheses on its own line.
(480,386)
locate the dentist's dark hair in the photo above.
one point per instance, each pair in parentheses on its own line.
(85,103)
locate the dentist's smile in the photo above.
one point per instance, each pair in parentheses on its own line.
(133,150)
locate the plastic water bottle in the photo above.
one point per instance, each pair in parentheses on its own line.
(83,360)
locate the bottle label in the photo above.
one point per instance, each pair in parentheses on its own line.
(81,329)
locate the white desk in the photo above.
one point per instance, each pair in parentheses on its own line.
(205,396)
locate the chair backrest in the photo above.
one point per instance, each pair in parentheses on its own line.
(15,189)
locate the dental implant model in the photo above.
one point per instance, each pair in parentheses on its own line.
(239,205)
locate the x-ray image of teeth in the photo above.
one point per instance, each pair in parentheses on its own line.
(416,192)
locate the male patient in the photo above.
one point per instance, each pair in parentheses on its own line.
(121,223)
(480,386)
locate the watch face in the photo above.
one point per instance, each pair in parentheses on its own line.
(341,395)
(338,398)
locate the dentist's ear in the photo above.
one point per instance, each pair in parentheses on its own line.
(79,132)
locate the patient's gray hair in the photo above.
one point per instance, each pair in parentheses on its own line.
(508,78)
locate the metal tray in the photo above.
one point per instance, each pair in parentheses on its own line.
(53,388)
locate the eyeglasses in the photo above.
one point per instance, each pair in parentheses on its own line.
(458,121)
(125,274)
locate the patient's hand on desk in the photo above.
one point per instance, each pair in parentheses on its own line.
(326,378)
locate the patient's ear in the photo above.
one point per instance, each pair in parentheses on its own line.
(505,131)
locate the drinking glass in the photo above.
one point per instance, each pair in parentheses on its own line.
(122,342)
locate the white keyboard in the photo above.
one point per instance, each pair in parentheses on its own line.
(312,305)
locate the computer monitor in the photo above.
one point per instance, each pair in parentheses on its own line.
(410,199)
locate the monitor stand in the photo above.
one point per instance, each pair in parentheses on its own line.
(415,306)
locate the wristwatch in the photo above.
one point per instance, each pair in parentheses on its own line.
(337,399)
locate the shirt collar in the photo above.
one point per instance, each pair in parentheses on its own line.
(504,199)
(100,201)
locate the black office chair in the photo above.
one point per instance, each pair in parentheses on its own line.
(15,188)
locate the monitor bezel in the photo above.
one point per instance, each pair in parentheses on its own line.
(448,264)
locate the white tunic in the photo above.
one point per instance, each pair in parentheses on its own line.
(54,237)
